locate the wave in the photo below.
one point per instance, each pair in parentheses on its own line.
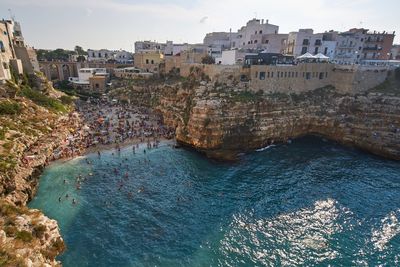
(264,148)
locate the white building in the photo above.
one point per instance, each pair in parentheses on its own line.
(102,55)
(141,46)
(304,41)
(252,34)
(232,57)
(85,74)
(349,46)
(123,57)
(256,35)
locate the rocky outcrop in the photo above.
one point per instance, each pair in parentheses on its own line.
(223,120)
(27,237)
(33,122)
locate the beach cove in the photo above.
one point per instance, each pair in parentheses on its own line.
(311,202)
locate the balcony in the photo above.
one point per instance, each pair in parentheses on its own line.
(347,45)
(372,48)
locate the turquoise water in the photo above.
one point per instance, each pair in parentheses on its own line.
(308,203)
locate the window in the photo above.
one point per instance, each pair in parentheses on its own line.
(266,41)
(262,75)
(278,74)
(255,41)
(326,74)
(306,42)
(152,61)
(268,74)
(321,75)
(285,74)
(256,74)
(308,75)
(316,50)
(318,42)
(326,51)
(260,32)
(147,61)
(304,50)
(297,74)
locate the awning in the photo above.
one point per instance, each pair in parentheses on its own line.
(306,56)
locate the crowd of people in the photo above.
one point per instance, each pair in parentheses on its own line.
(108,124)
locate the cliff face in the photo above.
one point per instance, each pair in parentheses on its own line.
(33,122)
(224,120)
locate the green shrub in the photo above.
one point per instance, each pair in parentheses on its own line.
(25,236)
(10,108)
(7,210)
(43,100)
(3,132)
(66,100)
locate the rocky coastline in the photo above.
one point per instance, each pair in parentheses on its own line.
(224,119)
(34,122)
(220,120)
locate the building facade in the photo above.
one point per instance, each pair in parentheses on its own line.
(14,53)
(94,79)
(149,60)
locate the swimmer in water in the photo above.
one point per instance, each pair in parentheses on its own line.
(66,196)
(73,201)
(59,199)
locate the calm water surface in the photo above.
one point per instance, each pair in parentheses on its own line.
(310,203)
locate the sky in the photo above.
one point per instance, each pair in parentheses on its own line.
(117,24)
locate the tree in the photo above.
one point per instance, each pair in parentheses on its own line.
(81,58)
(208,60)
(79,50)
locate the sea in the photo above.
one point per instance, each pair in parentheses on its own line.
(308,203)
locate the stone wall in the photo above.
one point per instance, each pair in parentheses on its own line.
(291,78)
(294,78)
(357,79)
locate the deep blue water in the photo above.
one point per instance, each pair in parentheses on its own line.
(311,203)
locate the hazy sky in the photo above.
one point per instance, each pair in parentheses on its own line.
(116,24)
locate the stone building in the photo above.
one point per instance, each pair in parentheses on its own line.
(14,53)
(148,61)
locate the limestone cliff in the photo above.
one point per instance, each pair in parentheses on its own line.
(34,120)
(225,119)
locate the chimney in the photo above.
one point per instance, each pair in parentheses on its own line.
(266,21)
